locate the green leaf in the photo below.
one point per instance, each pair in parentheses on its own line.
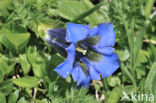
(130,88)
(13,97)
(88,12)
(22,100)
(113,81)
(56,59)
(115,95)
(32,54)
(53,87)
(127,73)
(1,48)
(141,71)
(148,7)
(1,75)
(6,87)
(150,82)
(6,67)
(44,101)
(69,10)
(4,4)
(142,57)
(138,44)
(130,35)
(27,81)
(29,2)
(14,41)
(78,96)
(39,67)
(2,98)
(75,10)
(24,63)
(37,61)
(152,51)
(3,66)
(123,54)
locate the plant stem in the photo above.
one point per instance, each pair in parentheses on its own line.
(105,84)
(42,90)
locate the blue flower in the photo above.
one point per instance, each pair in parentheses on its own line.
(89,52)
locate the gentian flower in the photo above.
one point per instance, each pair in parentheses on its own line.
(89,51)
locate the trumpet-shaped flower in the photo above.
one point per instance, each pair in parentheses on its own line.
(89,51)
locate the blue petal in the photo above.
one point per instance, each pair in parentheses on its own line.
(65,68)
(53,41)
(59,47)
(75,73)
(78,74)
(107,66)
(93,73)
(107,38)
(59,33)
(107,35)
(85,82)
(76,32)
(104,50)
(93,32)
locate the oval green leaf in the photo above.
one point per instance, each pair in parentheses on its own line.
(27,81)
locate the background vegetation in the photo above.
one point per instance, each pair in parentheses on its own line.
(27,61)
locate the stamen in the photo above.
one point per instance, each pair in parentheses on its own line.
(81,50)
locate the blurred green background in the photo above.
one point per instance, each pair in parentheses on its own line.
(27,61)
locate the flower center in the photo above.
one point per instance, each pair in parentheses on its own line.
(79,49)
(84,50)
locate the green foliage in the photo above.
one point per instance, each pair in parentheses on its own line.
(37,62)
(27,81)
(75,96)
(115,95)
(3,99)
(6,87)
(27,61)
(24,63)
(151,81)
(13,97)
(14,42)
(77,10)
